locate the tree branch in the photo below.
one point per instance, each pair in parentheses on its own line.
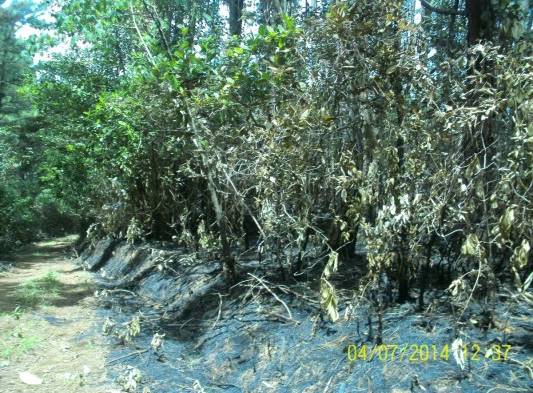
(444,11)
(146,49)
(155,18)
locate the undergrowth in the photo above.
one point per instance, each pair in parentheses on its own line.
(38,291)
(19,340)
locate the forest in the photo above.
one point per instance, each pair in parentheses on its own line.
(312,134)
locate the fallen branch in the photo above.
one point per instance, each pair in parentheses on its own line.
(126,356)
(473,289)
(282,317)
(122,291)
(300,295)
(272,293)
(244,204)
(219,311)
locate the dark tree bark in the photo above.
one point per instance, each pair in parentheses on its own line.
(271,10)
(235,16)
(438,10)
(480,27)
(451,28)
(479,20)
(478,13)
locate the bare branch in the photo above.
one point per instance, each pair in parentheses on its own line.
(273,294)
(146,49)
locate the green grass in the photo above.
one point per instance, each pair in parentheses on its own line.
(18,347)
(15,314)
(38,291)
(20,339)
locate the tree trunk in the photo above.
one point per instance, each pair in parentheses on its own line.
(228,262)
(271,11)
(479,20)
(235,16)
(480,26)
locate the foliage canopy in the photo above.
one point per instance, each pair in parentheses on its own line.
(399,128)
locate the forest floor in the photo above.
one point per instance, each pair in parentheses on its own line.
(47,318)
(51,342)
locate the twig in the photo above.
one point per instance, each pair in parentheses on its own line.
(219,311)
(244,204)
(332,376)
(297,294)
(122,291)
(146,49)
(282,317)
(273,294)
(523,365)
(473,289)
(126,356)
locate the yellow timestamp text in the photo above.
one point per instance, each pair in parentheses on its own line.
(422,353)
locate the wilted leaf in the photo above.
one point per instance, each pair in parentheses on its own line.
(328,296)
(520,255)
(471,246)
(458,353)
(329,300)
(506,222)
(332,265)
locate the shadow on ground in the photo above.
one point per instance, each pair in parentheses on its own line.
(43,275)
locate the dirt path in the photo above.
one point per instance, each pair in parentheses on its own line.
(47,324)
